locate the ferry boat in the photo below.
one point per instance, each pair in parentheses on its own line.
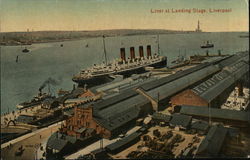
(99,73)
(36,100)
(208,45)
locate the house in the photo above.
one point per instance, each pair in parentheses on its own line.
(159,117)
(181,121)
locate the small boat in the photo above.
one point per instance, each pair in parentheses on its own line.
(87,45)
(25,50)
(208,45)
(61,45)
(244,36)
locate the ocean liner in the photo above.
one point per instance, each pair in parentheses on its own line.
(125,66)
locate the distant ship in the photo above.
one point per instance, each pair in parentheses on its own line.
(244,36)
(99,73)
(207,45)
(25,50)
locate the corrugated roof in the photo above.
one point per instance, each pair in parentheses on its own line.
(213,142)
(214,86)
(215,113)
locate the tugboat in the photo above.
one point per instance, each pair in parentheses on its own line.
(132,65)
(208,45)
(25,50)
(35,100)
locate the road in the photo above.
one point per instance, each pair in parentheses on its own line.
(31,143)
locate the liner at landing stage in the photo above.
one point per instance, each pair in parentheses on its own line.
(133,65)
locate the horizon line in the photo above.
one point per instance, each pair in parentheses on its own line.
(113,29)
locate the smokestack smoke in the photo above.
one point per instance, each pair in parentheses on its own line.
(50,81)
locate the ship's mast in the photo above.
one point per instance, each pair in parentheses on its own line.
(158,44)
(104,49)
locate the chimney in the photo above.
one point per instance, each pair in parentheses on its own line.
(141,51)
(123,56)
(148,51)
(132,52)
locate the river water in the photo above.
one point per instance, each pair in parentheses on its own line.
(21,80)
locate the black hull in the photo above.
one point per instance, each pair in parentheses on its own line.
(105,78)
(209,46)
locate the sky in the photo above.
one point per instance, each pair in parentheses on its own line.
(38,15)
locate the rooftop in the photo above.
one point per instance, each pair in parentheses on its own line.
(213,142)
(216,113)
(180,120)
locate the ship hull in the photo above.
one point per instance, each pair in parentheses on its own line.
(97,80)
(208,46)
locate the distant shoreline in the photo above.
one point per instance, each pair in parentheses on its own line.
(28,38)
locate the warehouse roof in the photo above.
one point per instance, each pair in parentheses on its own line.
(200,125)
(215,113)
(234,58)
(162,117)
(118,120)
(116,99)
(180,120)
(123,142)
(213,142)
(159,82)
(214,86)
(173,87)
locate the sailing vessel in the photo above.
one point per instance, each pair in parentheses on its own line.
(99,74)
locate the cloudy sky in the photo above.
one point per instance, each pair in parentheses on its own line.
(20,15)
